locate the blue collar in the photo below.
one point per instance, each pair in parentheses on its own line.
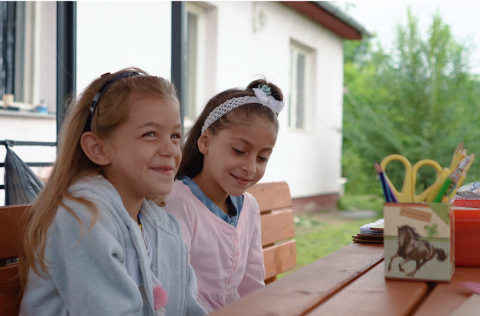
(235,203)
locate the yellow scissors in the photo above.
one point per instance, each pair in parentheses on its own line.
(407,195)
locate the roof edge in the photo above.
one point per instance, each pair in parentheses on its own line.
(342,16)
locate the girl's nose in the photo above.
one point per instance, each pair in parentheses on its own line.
(250,166)
(168,149)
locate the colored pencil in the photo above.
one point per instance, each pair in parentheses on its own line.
(438,184)
(391,194)
(381,175)
(393,197)
(443,190)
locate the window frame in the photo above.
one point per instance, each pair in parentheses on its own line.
(295,50)
(199,79)
(29,56)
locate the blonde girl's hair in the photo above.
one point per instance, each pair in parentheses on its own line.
(72,164)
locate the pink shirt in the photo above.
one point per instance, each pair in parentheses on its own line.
(228,261)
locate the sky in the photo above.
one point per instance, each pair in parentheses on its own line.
(381,17)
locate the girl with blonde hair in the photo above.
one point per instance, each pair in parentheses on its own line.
(94,245)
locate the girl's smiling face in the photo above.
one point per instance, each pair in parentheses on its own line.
(144,152)
(236,158)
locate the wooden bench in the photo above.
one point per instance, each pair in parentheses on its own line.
(277,228)
(11,229)
(279,250)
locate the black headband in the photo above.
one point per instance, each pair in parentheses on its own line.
(96,99)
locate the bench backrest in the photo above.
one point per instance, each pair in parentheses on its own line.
(12,221)
(279,250)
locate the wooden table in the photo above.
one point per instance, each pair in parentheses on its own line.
(351,282)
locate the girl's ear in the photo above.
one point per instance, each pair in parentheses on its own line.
(203,142)
(94,148)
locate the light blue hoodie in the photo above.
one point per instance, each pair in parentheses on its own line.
(87,272)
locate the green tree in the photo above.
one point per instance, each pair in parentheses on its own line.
(419,100)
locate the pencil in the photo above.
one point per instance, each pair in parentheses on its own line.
(456,156)
(393,197)
(381,175)
(438,184)
(443,190)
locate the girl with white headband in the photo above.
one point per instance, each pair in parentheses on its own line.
(226,152)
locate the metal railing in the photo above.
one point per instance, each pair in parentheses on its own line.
(12,143)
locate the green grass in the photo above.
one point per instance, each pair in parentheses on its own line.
(318,235)
(321,240)
(362,202)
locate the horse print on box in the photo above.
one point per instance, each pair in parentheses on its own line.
(417,241)
(411,248)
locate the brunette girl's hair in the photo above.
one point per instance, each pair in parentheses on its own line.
(72,164)
(192,161)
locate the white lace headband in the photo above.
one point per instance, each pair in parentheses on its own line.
(262,97)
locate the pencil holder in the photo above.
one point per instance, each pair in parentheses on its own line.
(418,241)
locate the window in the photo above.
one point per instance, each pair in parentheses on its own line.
(28,52)
(201,72)
(7,45)
(195,51)
(299,75)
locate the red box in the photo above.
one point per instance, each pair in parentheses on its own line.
(466,215)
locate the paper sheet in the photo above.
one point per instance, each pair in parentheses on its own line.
(366,227)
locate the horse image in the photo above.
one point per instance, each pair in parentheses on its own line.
(410,248)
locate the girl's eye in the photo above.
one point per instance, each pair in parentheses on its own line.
(238,151)
(263,159)
(176,136)
(150,134)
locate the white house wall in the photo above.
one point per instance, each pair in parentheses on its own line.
(113,35)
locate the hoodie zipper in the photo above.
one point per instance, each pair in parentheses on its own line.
(142,269)
(187,280)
